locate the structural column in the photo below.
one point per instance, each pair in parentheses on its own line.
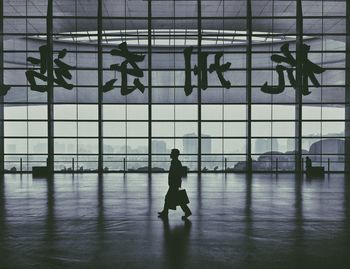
(149,46)
(249,87)
(347,91)
(298,92)
(100,85)
(199,90)
(50,86)
(2,151)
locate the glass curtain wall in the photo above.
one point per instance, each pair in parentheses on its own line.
(210,125)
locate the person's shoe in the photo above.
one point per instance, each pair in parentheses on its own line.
(186,215)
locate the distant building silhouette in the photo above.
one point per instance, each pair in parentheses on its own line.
(107,149)
(308,142)
(327,146)
(332,145)
(206,144)
(191,145)
(11,148)
(159,146)
(263,145)
(59,147)
(290,144)
(71,147)
(40,147)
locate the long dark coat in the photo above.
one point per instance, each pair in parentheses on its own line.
(174,182)
(175,174)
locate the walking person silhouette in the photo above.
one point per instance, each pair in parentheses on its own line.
(175,196)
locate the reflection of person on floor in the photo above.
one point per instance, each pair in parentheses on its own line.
(176,244)
(172,198)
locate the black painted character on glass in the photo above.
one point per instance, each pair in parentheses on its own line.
(202,70)
(309,69)
(61,71)
(132,59)
(4,89)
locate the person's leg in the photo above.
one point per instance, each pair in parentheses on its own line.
(186,210)
(165,210)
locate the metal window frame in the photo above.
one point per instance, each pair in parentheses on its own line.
(298,102)
(50,87)
(2,147)
(347,92)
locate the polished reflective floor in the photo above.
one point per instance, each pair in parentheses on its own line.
(83,221)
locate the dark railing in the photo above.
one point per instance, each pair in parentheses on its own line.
(124,165)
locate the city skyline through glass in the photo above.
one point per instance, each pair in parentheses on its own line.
(216,129)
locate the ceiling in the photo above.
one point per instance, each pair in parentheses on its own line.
(219,14)
(228,15)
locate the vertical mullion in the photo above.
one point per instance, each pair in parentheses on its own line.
(50,85)
(199,91)
(149,47)
(298,94)
(100,84)
(2,149)
(347,91)
(249,87)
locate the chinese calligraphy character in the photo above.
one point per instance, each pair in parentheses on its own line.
(4,89)
(132,59)
(202,69)
(61,71)
(308,71)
